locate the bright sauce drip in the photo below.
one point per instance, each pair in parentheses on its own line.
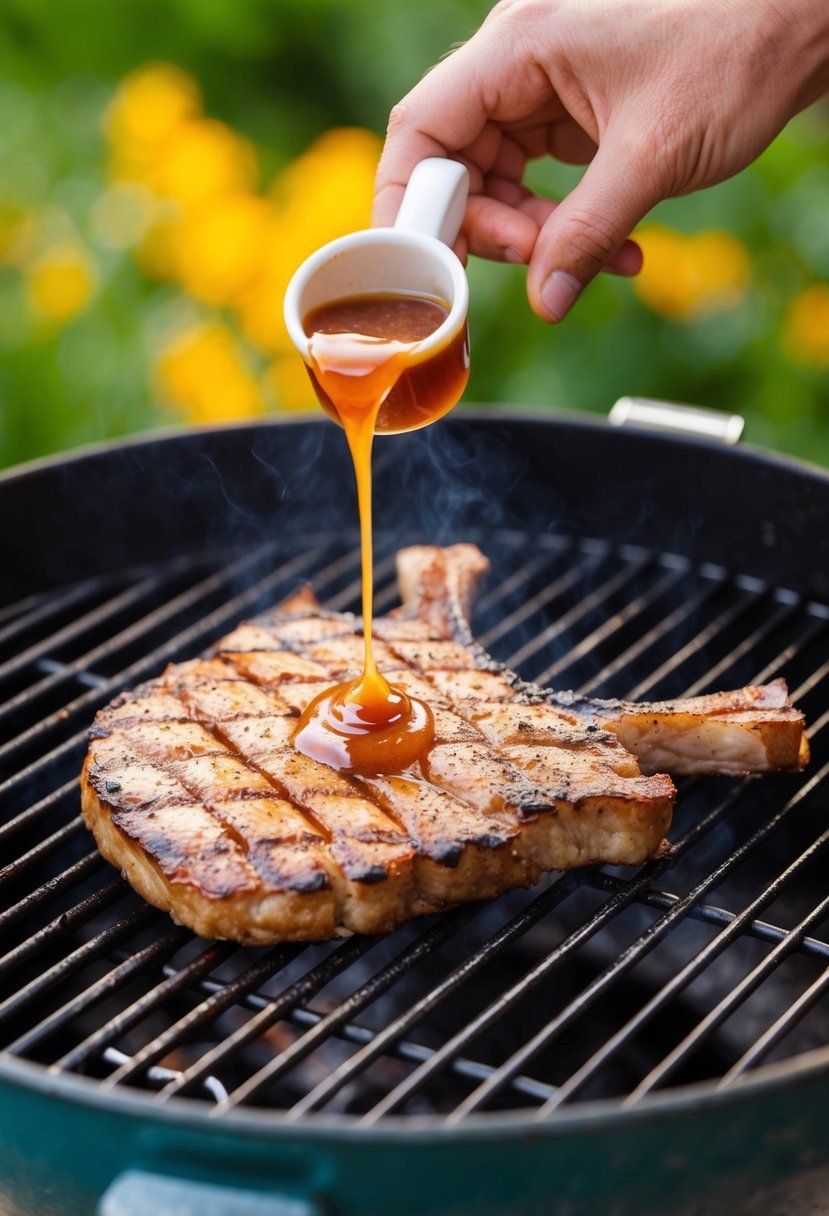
(361,353)
(341,730)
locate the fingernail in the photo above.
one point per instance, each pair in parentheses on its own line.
(559,294)
(512,255)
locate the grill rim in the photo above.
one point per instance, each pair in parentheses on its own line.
(764,1080)
(474,412)
(485,418)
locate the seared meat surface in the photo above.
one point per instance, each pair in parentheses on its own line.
(752,730)
(193,788)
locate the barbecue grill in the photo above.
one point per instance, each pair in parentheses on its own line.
(611,1041)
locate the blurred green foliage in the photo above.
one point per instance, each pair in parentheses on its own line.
(284,71)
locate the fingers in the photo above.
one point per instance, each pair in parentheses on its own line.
(570,143)
(587,230)
(628,259)
(490,106)
(499,231)
(506,229)
(462,108)
(446,101)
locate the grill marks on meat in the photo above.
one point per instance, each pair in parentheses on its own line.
(192,785)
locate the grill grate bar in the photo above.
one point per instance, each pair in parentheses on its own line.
(637,950)
(158,1075)
(188,637)
(361,1035)
(418,1054)
(46,848)
(613,624)
(710,914)
(778,1029)
(258,973)
(815,729)
(28,817)
(591,603)
(355,1032)
(161,947)
(41,607)
(705,637)
(368,992)
(176,980)
(273,1011)
(51,667)
(71,963)
(809,684)
(47,761)
(22,608)
(771,622)
(683,977)
(683,612)
(442,1056)
(54,886)
(389,1038)
(515,581)
(39,652)
(134,632)
(350,594)
(735,997)
(806,636)
(548,595)
(101,898)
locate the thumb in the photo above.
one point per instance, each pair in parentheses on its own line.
(589,226)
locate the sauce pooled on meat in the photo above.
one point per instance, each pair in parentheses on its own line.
(362,368)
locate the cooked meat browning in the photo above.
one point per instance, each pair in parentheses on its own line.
(752,730)
(193,788)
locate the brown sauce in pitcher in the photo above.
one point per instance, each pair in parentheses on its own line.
(362,366)
(416,395)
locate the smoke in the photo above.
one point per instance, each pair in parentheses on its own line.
(450,478)
(549,503)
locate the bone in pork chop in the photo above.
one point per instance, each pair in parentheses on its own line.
(193,788)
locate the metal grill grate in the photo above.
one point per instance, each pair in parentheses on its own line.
(599,983)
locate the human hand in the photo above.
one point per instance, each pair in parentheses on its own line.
(657,97)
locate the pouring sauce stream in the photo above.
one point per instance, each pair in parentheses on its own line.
(362,352)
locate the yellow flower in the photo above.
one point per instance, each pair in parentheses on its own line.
(150,104)
(327,191)
(219,247)
(323,194)
(286,385)
(203,160)
(60,281)
(208,229)
(260,309)
(806,327)
(201,373)
(157,252)
(688,276)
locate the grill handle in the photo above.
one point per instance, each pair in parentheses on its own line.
(138,1193)
(691,420)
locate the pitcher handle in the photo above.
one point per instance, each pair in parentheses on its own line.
(435,199)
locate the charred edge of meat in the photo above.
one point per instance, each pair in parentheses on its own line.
(374,874)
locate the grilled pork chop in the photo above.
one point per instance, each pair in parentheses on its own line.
(193,788)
